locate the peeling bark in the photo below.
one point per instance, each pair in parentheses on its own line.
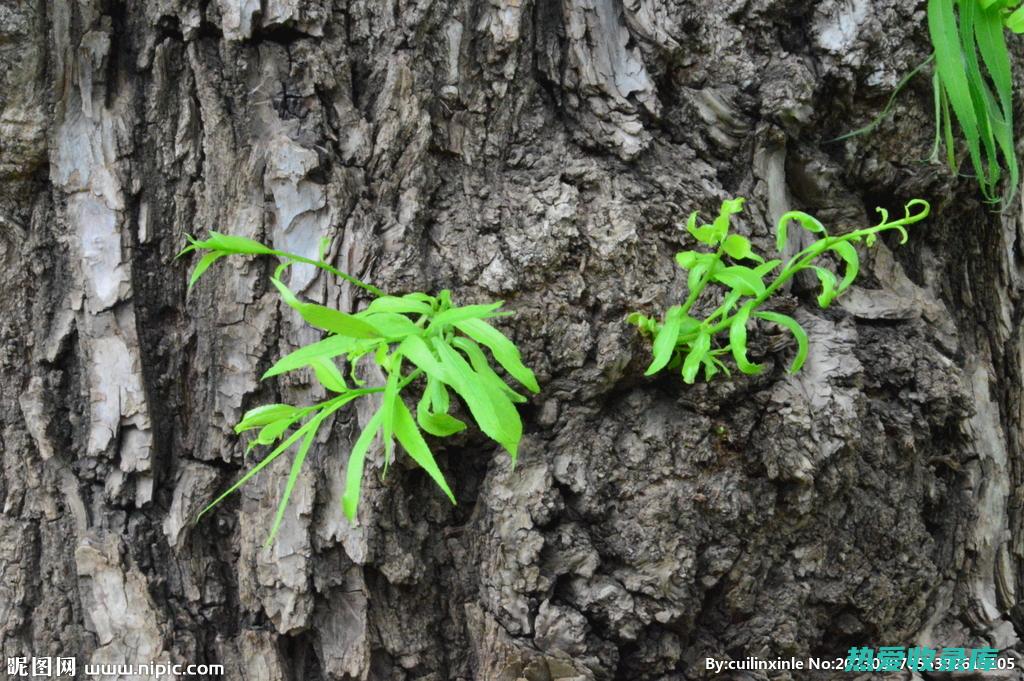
(543,153)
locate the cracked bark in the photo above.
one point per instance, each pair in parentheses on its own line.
(538,152)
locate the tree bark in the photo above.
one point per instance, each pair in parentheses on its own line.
(542,153)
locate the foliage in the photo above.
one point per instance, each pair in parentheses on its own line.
(686,343)
(973,81)
(416,340)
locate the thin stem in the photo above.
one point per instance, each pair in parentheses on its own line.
(369,288)
(802,260)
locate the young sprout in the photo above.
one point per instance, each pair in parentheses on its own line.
(688,344)
(421,343)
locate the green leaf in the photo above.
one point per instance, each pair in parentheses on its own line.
(695,356)
(356,463)
(504,350)
(236,244)
(261,416)
(694,279)
(491,409)
(293,476)
(478,361)
(412,441)
(828,286)
(272,432)
(327,318)
(312,424)
(647,325)
(329,347)
(193,245)
(665,341)
(688,259)
(729,208)
(796,330)
(741,279)
(706,234)
(1015,22)
(436,423)
(738,341)
(949,68)
(808,222)
(848,253)
(738,248)
(432,411)
(389,405)
(416,350)
(466,312)
(390,325)
(764,269)
(328,374)
(988,32)
(403,305)
(203,265)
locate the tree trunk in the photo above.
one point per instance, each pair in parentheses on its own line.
(542,153)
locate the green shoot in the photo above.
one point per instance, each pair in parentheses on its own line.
(973,80)
(417,340)
(685,343)
(973,84)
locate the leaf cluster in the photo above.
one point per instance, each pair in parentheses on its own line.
(973,82)
(688,344)
(421,343)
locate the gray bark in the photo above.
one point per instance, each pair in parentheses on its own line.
(538,152)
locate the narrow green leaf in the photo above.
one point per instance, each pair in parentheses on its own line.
(261,416)
(272,432)
(328,374)
(695,277)
(796,330)
(237,244)
(403,305)
(416,350)
(203,265)
(437,423)
(466,312)
(828,286)
(738,341)
(765,268)
(665,341)
(504,350)
(312,424)
(695,357)
(1015,22)
(389,404)
(329,347)
(193,245)
(480,365)
(492,410)
(808,222)
(327,318)
(390,325)
(412,441)
(848,253)
(949,66)
(991,41)
(356,463)
(293,476)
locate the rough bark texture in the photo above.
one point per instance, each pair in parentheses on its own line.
(541,152)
